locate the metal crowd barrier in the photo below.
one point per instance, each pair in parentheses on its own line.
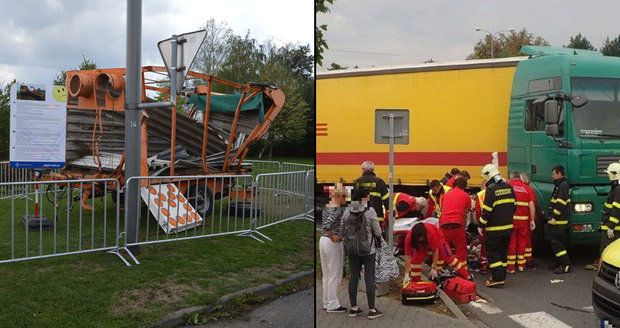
(262,167)
(189,207)
(292,167)
(279,197)
(84,215)
(75,222)
(309,204)
(9,174)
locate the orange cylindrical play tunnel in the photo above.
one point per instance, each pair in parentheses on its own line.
(111,83)
(80,85)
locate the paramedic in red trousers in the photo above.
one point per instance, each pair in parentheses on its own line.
(522,224)
(528,248)
(463,174)
(434,199)
(498,209)
(331,250)
(454,207)
(557,220)
(377,189)
(422,239)
(405,203)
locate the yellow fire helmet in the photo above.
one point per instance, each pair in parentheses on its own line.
(613,171)
(489,171)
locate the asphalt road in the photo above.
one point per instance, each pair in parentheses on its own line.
(294,310)
(528,298)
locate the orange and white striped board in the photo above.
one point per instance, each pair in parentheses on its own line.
(170,207)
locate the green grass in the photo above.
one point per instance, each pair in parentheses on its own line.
(97,290)
(92,231)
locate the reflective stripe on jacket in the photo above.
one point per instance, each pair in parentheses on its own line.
(498,208)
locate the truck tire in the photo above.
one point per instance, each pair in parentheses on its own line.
(201,199)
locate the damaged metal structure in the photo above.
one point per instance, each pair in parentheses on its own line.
(212,138)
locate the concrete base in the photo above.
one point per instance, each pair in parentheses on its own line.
(36,223)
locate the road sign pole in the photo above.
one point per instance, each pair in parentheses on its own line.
(133,115)
(390,224)
(173,100)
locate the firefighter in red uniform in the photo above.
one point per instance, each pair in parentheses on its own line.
(404,203)
(434,199)
(461,174)
(422,239)
(455,205)
(524,202)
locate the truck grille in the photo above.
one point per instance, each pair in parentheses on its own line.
(603,161)
(608,273)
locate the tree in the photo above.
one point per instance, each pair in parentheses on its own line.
(289,127)
(320,42)
(4,118)
(505,45)
(334,67)
(611,47)
(87,63)
(579,42)
(244,61)
(215,49)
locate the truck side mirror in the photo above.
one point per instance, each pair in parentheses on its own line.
(552,130)
(552,112)
(578,101)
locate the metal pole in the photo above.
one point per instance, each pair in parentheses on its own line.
(133,114)
(173,100)
(391,184)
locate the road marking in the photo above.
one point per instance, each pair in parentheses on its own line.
(588,308)
(538,319)
(486,307)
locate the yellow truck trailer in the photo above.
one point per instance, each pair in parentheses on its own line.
(458,117)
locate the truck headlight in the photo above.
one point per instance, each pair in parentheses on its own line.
(582,207)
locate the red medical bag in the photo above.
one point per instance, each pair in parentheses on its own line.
(419,292)
(460,290)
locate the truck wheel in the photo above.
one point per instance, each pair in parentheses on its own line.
(201,199)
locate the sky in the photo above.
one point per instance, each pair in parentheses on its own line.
(400,32)
(42,37)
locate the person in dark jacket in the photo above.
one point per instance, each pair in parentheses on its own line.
(498,209)
(557,220)
(610,219)
(377,189)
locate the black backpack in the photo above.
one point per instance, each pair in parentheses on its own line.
(355,235)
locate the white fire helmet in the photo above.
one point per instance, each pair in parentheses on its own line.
(613,171)
(489,171)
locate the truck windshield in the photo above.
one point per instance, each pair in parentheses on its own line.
(600,117)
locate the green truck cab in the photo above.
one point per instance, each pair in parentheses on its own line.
(565,110)
(606,285)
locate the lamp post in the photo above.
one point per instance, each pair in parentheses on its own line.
(492,34)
